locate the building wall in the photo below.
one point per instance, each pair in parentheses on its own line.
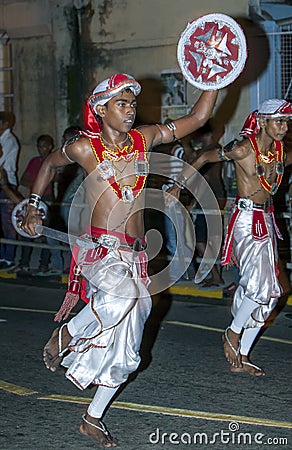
(62,50)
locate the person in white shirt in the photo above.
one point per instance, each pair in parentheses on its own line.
(9,149)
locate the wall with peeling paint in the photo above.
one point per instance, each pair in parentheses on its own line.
(62,49)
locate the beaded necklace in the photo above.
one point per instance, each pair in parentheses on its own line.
(110,143)
(277,155)
(105,157)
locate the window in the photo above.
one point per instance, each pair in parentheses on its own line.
(286,62)
(276,80)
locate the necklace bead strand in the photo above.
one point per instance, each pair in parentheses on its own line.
(277,156)
(104,141)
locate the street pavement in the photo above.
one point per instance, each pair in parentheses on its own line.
(183,395)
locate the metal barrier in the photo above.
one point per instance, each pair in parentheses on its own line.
(225,213)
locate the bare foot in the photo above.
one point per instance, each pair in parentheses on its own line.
(231,347)
(249,367)
(90,426)
(56,347)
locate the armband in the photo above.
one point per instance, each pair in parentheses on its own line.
(181,181)
(69,141)
(34,200)
(222,155)
(63,151)
(171,126)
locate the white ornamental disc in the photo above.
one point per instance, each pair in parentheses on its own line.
(18,214)
(212,51)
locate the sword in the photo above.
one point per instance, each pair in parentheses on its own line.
(67,238)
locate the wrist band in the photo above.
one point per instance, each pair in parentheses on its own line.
(34,200)
(222,155)
(181,181)
(171,126)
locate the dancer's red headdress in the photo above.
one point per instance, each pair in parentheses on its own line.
(269,109)
(105,91)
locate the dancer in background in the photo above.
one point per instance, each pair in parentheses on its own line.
(251,236)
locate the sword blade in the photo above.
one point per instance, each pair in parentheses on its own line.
(67,238)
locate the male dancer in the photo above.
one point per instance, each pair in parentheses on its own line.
(100,345)
(251,236)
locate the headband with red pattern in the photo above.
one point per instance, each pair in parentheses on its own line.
(104,92)
(269,109)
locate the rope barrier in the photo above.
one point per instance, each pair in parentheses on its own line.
(21,243)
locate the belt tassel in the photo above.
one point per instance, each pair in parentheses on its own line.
(71,297)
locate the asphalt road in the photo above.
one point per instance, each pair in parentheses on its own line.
(182,397)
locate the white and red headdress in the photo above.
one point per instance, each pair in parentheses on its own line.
(104,92)
(269,109)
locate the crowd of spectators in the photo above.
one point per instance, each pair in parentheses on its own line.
(15,187)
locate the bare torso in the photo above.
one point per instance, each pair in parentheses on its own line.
(117,117)
(248,182)
(107,210)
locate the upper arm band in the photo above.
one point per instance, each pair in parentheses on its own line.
(222,155)
(69,141)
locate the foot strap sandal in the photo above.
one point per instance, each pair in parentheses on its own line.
(252,365)
(61,352)
(236,352)
(101,428)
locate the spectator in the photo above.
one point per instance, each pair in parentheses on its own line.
(9,148)
(213,175)
(177,238)
(69,179)
(45,145)
(13,194)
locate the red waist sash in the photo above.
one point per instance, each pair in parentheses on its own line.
(77,283)
(259,231)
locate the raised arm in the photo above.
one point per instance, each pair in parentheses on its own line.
(176,129)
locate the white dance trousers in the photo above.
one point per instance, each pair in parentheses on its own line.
(107,332)
(259,288)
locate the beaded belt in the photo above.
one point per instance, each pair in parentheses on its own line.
(113,243)
(246,204)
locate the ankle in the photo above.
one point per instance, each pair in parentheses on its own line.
(65,332)
(235,330)
(91,418)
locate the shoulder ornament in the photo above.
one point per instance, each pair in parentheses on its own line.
(69,141)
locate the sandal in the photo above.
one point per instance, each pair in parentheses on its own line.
(235,362)
(101,428)
(236,352)
(110,440)
(52,361)
(254,366)
(61,352)
(260,372)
